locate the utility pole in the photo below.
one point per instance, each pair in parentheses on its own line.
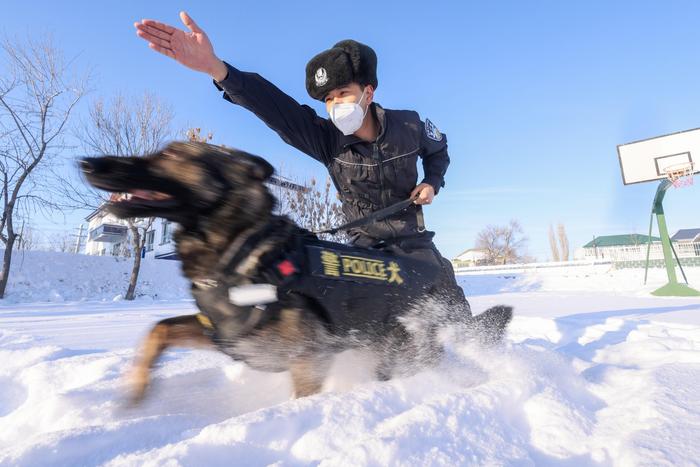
(21,241)
(78,240)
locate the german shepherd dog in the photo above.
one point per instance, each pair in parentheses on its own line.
(227,227)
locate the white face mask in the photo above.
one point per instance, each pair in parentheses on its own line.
(348,117)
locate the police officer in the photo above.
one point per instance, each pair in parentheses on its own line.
(370,152)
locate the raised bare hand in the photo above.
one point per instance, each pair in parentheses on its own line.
(193,49)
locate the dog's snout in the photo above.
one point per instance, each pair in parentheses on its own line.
(88,165)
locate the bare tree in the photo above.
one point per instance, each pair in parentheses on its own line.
(127,127)
(563,242)
(38,94)
(553,244)
(281,187)
(62,242)
(314,209)
(28,238)
(195,135)
(502,244)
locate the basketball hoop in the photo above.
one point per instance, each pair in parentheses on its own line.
(680,174)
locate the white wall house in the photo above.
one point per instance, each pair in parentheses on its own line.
(687,235)
(110,236)
(687,242)
(106,234)
(633,247)
(469,258)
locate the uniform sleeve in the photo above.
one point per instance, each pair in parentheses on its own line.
(298,125)
(434,154)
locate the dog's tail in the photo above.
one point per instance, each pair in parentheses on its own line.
(489,327)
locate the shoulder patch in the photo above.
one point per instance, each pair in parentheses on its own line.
(431,131)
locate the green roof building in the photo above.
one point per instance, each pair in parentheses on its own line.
(627,247)
(620,240)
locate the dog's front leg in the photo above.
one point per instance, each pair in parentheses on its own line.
(308,374)
(180,331)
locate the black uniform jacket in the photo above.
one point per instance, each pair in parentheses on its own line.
(368,176)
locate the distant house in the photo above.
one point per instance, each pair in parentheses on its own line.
(687,235)
(109,236)
(618,247)
(688,242)
(633,247)
(470,257)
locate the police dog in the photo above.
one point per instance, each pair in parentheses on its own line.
(227,228)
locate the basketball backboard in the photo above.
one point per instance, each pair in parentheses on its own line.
(651,159)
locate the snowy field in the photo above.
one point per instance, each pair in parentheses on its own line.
(595,372)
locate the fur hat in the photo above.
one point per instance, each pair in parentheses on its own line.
(346,62)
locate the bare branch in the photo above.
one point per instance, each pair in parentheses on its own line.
(37,99)
(502,244)
(126,127)
(563,242)
(553,245)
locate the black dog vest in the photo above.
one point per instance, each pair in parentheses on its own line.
(359,288)
(355,289)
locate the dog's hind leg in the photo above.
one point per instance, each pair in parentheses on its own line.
(309,373)
(180,331)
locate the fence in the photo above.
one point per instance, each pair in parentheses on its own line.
(531,266)
(616,257)
(639,252)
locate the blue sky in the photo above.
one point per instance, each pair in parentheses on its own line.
(534,96)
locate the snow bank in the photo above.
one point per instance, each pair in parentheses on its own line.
(64,277)
(38,276)
(601,277)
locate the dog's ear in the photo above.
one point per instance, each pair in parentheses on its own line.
(256,167)
(260,169)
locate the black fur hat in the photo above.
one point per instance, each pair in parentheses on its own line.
(346,62)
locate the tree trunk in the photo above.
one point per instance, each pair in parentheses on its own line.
(6,261)
(564,242)
(553,245)
(137,263)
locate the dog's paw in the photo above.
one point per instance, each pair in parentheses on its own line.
(137,381)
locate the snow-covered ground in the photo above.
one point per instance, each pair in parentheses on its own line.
(38,276)
(595,372)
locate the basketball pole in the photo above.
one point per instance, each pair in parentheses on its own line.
(673,288)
